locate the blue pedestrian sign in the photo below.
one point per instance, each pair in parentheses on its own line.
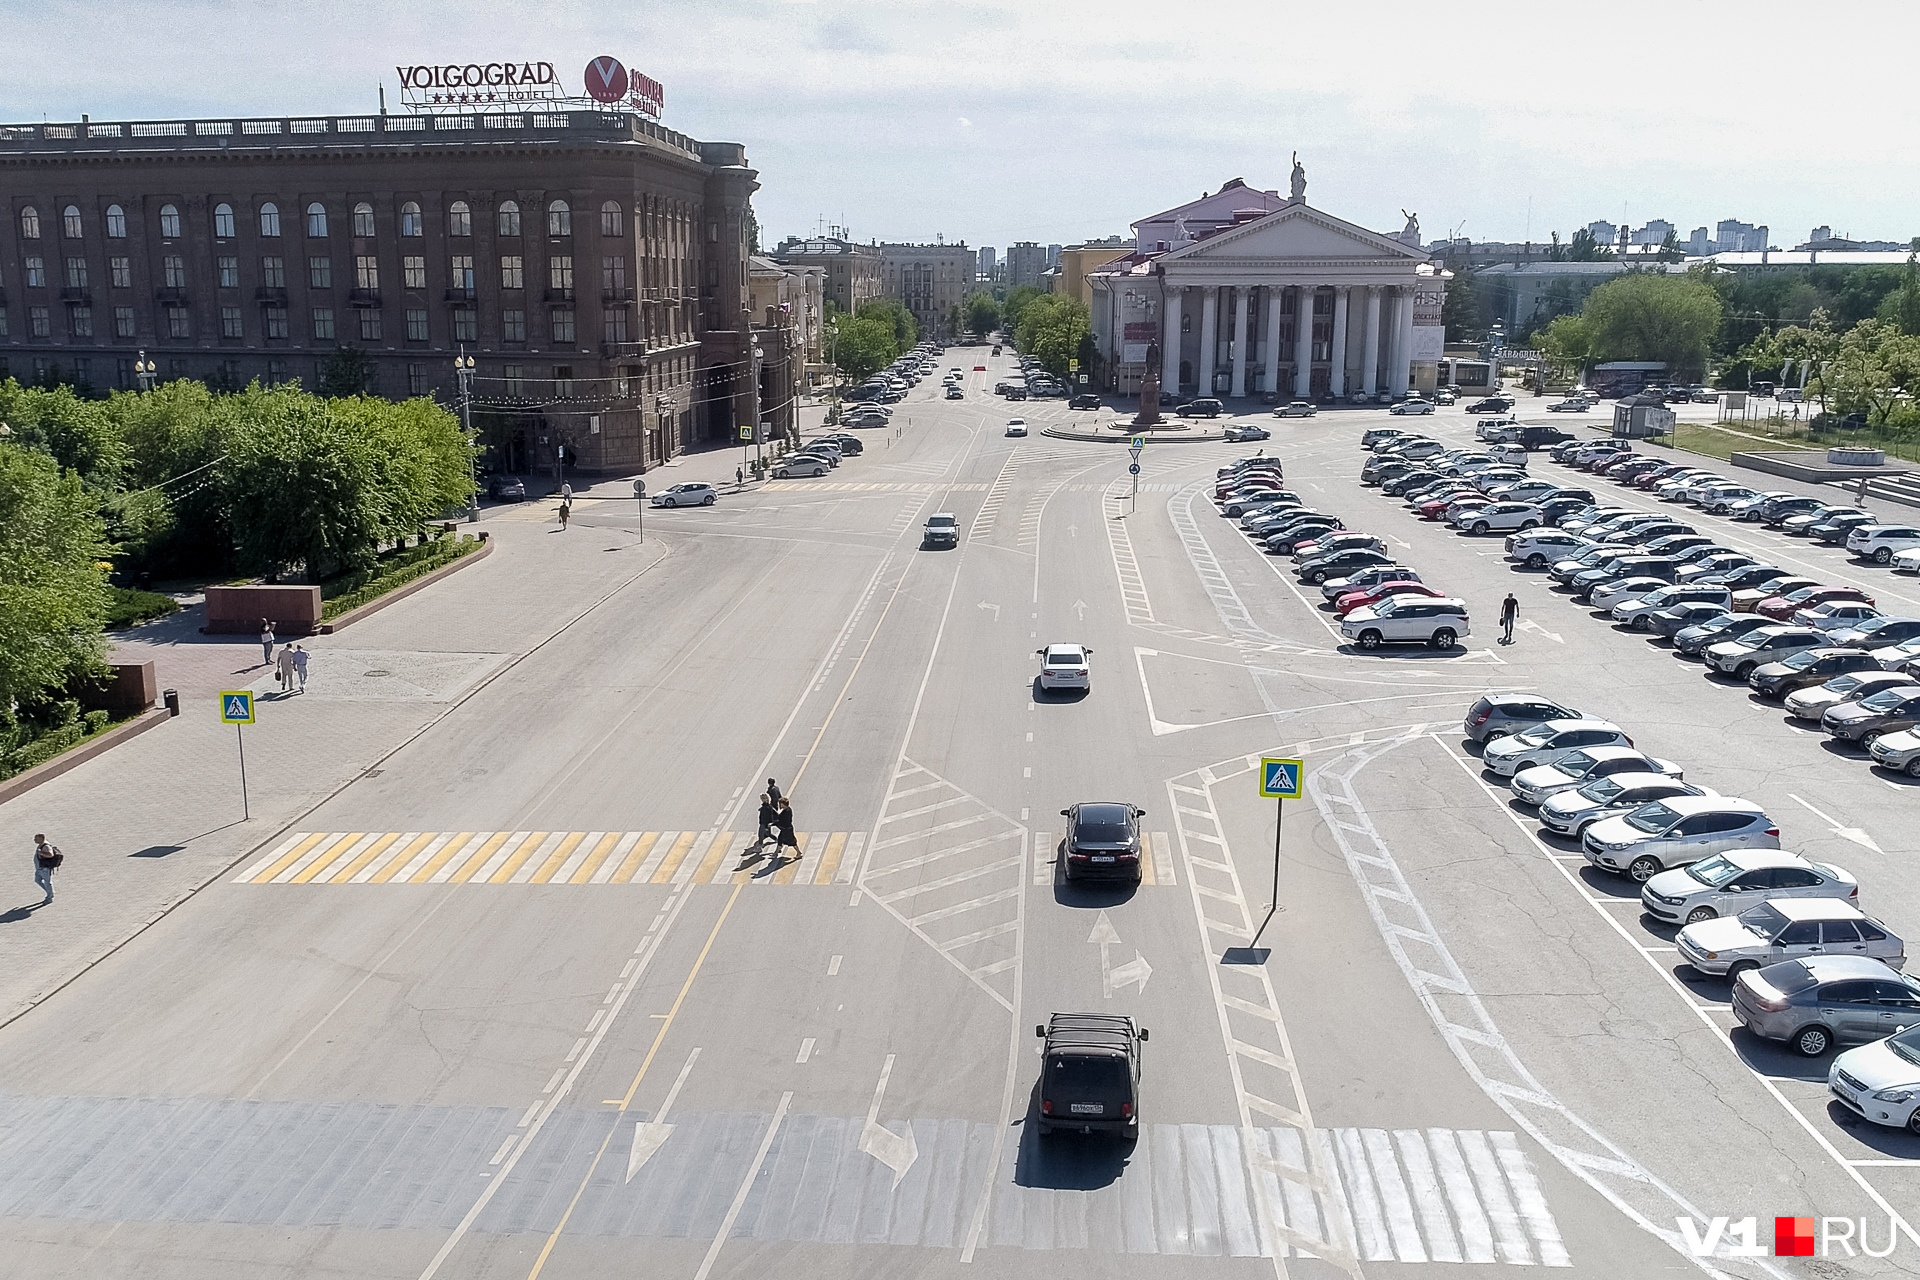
(1137,443)
(1133,468)
(1282,778)
(236,706)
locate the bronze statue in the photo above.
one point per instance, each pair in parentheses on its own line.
(1149,415)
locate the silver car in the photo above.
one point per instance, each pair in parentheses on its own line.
(1728,883)
(1762,644)
(1571,812)
(1673,833)
(1787,929)
(1898,751)
(1816,1002)
(1547,743)
(1498,714)
(1537,784)
(1811,704)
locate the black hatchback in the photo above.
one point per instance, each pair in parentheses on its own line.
(1103,841)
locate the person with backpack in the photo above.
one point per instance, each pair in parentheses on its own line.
(45,858)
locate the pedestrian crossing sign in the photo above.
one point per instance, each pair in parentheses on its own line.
(1137,443)
(236,706)
(1281,778)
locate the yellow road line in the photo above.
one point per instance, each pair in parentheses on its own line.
(291,856)
(437,861)
(558,859)
(716,851)
(480,857)
(372,851)
(420,841)
(520,854)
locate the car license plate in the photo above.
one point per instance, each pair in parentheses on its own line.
(1086,1108)
(1103,857)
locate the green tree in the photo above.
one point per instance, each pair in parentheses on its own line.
(1014,304)
(906,330)
(1582,247)
(1647,316)
(80,435)
(983,313)
(1052,329)
(1870,368)
(861,345)
(347,372)
(1461,312)
(53,588)
(1568,341)
(1901,306)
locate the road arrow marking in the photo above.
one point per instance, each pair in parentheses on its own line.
(1136,970)
(994,607)
(650,1135)
(1080,607)
(896,1151)
(1073,531)
(1855,834)
(1537,629)
(1397,542)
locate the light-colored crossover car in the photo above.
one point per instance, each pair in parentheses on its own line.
(1673,833)
(1728,883)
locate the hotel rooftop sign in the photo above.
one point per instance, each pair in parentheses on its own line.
(456,86)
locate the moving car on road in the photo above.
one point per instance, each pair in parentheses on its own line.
(1064,666)
(941,530)
(1246,431)
(691,494)
(1296,409)
(1090,1074)
(507,489)
(801,465)
(1103,841)
(1016,426)
(1411,406)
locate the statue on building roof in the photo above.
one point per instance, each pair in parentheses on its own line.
(1410,234)
(1299,180)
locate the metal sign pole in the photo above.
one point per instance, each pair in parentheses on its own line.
(240,736)
(1273,908)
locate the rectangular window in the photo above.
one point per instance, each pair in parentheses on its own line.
(231,325)
(229,269)
(513,272)
(323,324)
(366,271)
(276,372)
(462,264)
(82,371)
(416,379)
(563,381)
(613,274)
(76,273)
(3,330)
(177,325)
(614,324)
(36,273)
(560,271)
(369,325)
(276,322)
(465,326)
(414,272)
(123,322)
(174,271)
(563,324)
(273,273)
(416,324)
(80,321)
(623,384)
(228,375)
(320,273)
(123,373)
(513,325)
(515,378)
(120,270)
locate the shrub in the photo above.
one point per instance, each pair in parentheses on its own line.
(397,570)
(129,608)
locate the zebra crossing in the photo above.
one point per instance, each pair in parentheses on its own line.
(552,857)
(1156,858)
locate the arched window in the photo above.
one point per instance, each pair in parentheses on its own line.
(410,224)
(509,219)
(270,220)
(317,220)
(223,221)
(169,222)
(29,223)
(611,221)
(559,219)
(363,219)
(459,219)
(70,222)
(116,222)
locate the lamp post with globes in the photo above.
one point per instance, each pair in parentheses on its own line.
(463,375)
(145,370)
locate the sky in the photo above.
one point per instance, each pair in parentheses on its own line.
(992,121)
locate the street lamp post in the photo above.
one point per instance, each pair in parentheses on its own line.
(463,376)
(145,369)
(754,378)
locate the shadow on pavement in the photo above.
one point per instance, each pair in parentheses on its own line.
(1067,1161)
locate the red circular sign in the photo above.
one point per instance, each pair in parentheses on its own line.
(606,80)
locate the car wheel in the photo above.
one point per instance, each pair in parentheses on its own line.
(1536,561)
(1742,671)
(1638,622)
(1913,1121)
(1913,767)
(1735,970)
(1812,1042)
(1883,555)
(1371,640)
(1443,638)
(1316,578)
(1643,869)
(707,501)
(1698,914)
(1527,524)
(1480,526)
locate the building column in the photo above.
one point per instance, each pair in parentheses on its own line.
(1170,345)
(1209,339)
(1337,384)
(1399,377)
(1370,349)
(1303,344)
(1272,349)
(1243,296)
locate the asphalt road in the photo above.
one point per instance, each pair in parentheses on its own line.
(521,1005)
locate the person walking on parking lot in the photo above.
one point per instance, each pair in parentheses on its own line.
(266,642)
(1509,613)
(45,858)
(785,825)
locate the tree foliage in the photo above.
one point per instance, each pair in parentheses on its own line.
(347,372)
(982,312)
(1649,316)
(1014,305)
(861,345)
(75,432)
(1053,328)
(53,588)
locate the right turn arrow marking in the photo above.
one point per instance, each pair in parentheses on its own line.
(896,1151)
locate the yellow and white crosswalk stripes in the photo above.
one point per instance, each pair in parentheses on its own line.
(552,857)
(866,486)
(1156,858)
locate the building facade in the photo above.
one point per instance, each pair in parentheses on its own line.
(850,273)
(593,265)
(1026,263)
(1245,293)
(788,309)
(989,263)
(1075,261)
(930,280)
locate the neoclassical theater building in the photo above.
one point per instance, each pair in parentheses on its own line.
(1249,293)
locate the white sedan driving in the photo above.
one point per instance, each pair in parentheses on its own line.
(1064,667)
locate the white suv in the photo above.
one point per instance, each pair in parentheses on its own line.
(1439,623)
(1500,515)
(1881,542)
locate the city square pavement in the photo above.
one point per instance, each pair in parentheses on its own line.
(494,981)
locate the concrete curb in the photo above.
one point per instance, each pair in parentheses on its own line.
(1122,437)
(73,757)
(404,590)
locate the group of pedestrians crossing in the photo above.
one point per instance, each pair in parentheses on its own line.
(776,822)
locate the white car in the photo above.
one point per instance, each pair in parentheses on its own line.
(1411,406)
(1638,612)
(1016,426)
(1673,833)
(1787,929)
(1880,543)
(801,465)
(1542,782)
(1836,615)
(1728,883)
(1719,499)
(1907,561)
(1539,548)
(1570,813)
(1547,743)
(1296,409)
(692,494)
(1881,1080)
(1436,622)
(1812,704)
(1523,490)
(1064,666)
(1762,644)
(1500,515)
(1609,595)
(1573,404)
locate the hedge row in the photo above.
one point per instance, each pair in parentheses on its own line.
(400,569)
(25,755)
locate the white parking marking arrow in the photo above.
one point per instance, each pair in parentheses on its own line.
(994,607)
(1537,629)
(650,1135)
(1855,834)
(1080,607)
(896,1151)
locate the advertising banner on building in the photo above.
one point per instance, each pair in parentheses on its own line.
(1429,332)
(1135,336)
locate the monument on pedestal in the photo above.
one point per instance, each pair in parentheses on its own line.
(1149,415)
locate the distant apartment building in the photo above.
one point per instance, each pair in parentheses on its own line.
(1655,232)
(850,272)
(989,262)
(1733,236)
(1053,256)
(931,280)
(1603,232)
(1700,243)
(1026,263)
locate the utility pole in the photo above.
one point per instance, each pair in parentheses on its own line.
(753,363)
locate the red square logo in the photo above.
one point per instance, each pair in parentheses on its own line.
(1793,1237)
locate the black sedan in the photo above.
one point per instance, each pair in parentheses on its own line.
(1103,841)
(1492,404)
(1808,668)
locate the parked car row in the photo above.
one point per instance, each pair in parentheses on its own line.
(818,456)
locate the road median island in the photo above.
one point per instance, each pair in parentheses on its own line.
(1124,435)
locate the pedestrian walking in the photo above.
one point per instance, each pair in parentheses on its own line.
(283,668)
(1509,612)
(1862,492)
(566,493)
(769,819)
(300,665)
(739,477)
(266,642)
(785,824)
(773,791)
(45,858)
(566,510)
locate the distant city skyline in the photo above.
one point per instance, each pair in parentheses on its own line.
(988,134)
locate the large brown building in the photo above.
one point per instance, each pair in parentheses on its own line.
(594,265)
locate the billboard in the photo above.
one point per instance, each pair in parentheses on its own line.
(1429,331)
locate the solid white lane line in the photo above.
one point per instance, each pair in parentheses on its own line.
(746,1186)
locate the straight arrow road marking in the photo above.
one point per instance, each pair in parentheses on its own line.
(896,1151)
(650,1135)
(1136,970)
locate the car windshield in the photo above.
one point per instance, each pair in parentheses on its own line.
(941,522)
(1801,661)
(1843,684)
(1575,764)
(1652,818)
(1601,790)
(1764,920)
(1714,871)
(1887,699)
(1093,1079)
(1535,736)
(1906,1044)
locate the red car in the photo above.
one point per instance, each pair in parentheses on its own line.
(1782,607)
(1367,599)
(1436,508)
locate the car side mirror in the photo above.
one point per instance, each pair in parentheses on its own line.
(1143,1035)
(1139,813)
(1039,650)
(1066,813)
(1086,651)
(1040,1032)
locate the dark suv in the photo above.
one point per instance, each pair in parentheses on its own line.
(1205,407)
(1084,401)
(1103,840)
(1090,1074)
